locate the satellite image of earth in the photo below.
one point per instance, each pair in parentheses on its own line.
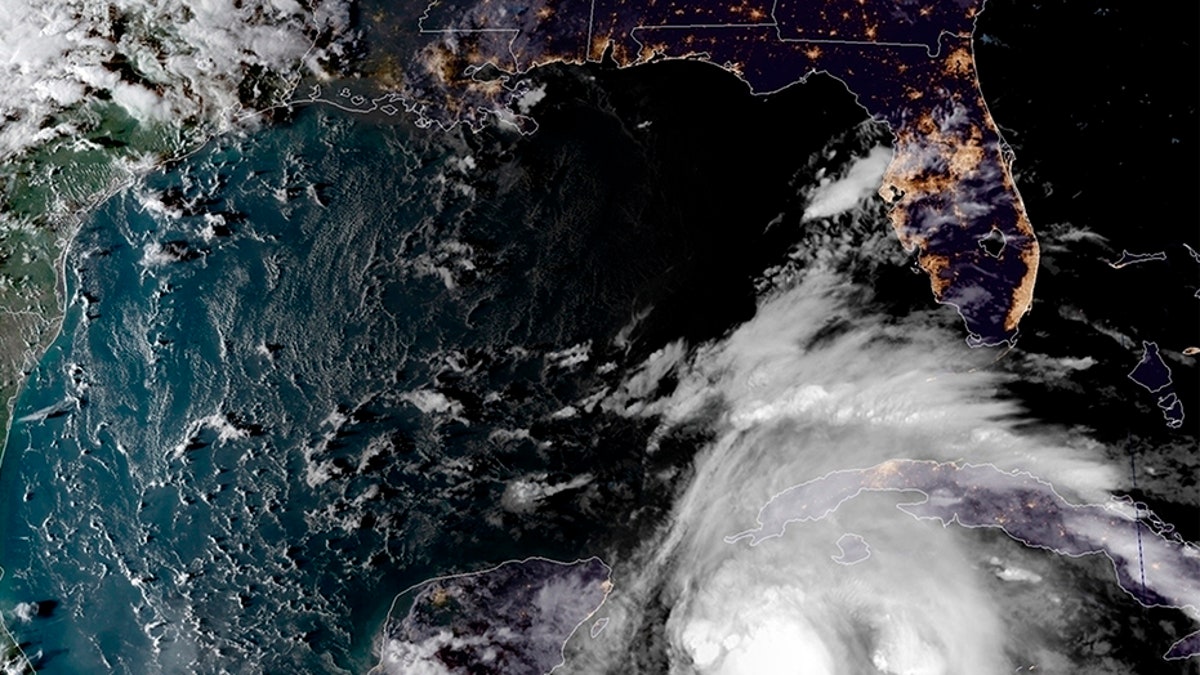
(594,337)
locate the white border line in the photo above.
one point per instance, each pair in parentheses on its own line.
(562,651)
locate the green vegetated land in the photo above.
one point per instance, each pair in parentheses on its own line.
(44,193)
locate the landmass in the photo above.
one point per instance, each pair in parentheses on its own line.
(1154,375)
(513,619)
(1195,256)
(854,549)
(1192,252)
(950,184)
(1153,564)
(1151,372)
(97,97)
(1128,258)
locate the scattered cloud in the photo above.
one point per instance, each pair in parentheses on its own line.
(180,60)
(530,98)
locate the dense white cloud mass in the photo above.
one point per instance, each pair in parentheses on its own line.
(160,60)
(797,402)
(860,181)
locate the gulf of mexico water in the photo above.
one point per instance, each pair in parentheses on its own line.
(303,369)
(199,475)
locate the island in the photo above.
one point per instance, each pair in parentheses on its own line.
(1193,252)
(1126,259)
(854,549)
(1152,563)
(1154,375)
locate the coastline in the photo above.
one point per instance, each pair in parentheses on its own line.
(52,189)
(14,660)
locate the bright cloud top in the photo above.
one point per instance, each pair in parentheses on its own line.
(809,386)
(175,59)
(833,197)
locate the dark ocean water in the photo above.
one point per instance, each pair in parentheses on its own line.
(304,369)
(307,368)
(1107,160)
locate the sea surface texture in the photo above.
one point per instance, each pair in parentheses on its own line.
(231,436)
